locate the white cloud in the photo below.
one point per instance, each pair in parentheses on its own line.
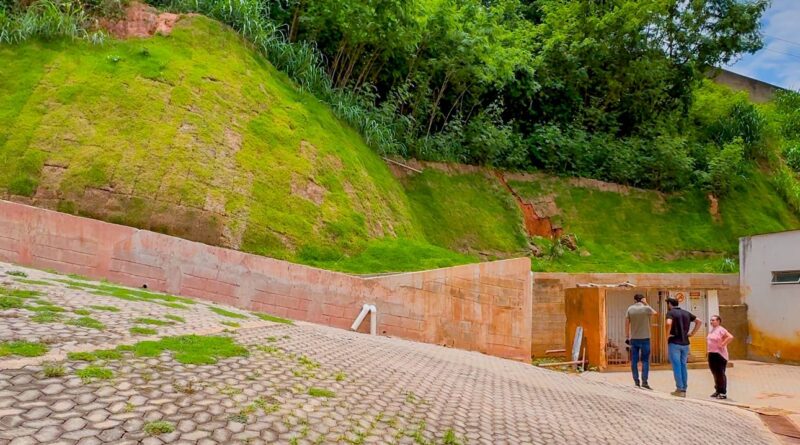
(779,61)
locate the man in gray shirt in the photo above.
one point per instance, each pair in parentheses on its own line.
(637,331)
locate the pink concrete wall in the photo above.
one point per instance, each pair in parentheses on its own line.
(483,307)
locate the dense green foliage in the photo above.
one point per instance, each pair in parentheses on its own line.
(508,83)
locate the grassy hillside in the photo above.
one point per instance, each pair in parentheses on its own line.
(645,231)
(195,135)
(467,212)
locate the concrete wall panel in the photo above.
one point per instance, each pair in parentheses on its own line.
(772,309)
(483,307)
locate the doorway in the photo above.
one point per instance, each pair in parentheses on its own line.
(617,303)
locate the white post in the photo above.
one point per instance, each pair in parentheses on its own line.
(373,320)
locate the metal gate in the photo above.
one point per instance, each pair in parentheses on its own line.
(696,302)
(617,303)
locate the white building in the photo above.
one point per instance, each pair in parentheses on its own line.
(769,277)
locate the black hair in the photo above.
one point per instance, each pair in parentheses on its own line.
(638,297)
(673,302)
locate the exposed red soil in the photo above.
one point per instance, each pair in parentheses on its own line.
(535,225)
(140,21)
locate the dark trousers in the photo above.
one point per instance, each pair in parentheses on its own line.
(717,364)
(640,347)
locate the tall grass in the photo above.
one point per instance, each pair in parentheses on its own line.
(787,184)
(47,19)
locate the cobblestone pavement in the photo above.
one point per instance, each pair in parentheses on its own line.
(59,296)
(307,384)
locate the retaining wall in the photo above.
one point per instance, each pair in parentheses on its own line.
(482,307)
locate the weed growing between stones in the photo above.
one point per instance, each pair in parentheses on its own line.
(239,417)
(229,390)
(18,293)
(17,273)
(188,388)
(321,392)
(33,282)
(340,376)
(22,348)
(123,293)
(81,356)
(153,321)
(192,349)
(105,308)
(139,330)
(232,324)
(158,427)
(175,318)
(82,312)
(46,317)
(102,354)
(53,370)
(11,303)
(90,374)
(272,318)
(450,438)
(224,313)
(87,322)
(44,306)
(267,406)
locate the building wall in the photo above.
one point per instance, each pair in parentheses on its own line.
(549,318)
(483,307)
(759,91)
(773,310)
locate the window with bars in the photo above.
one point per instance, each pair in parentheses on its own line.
(786,277)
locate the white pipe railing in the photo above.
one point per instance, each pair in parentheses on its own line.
(373,319)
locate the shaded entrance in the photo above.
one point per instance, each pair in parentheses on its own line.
(600,311)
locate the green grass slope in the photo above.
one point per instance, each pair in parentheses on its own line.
(195,135)
(645,231)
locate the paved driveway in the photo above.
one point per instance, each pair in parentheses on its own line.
(307,384)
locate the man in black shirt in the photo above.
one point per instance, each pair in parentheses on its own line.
(678,321)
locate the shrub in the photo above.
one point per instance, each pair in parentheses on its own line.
(725,169)
(792,156)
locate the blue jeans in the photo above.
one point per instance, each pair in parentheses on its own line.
(678,356)
(640,347)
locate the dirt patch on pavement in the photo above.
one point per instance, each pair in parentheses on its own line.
(140,20)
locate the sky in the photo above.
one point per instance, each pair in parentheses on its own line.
(778,62)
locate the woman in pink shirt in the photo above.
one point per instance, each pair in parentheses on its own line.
(718,339)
